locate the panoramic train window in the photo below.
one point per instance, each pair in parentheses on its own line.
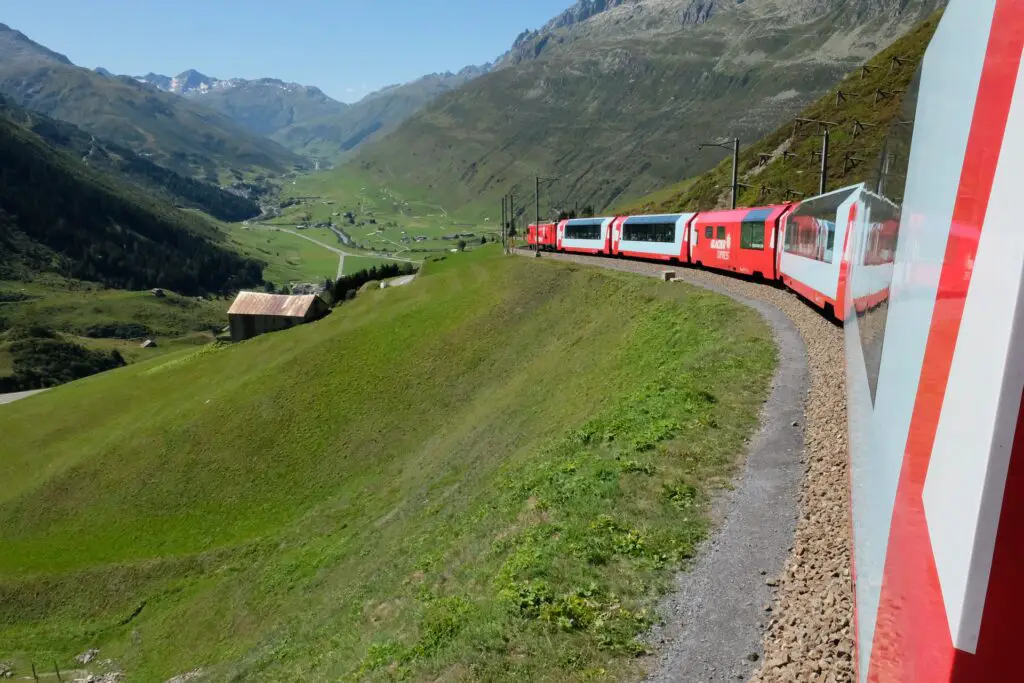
(752,235)
(811,229)
(590,230)
(649,232)
(876,252)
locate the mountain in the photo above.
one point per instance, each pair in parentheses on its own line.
(339,135)
(176,132)
(16,47)
(59,215)
(264,106)
(613,98)
(304,119)
(783,165)
(134,168)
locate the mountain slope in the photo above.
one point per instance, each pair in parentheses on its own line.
(56,214)
(862,111)
(177,132)
(615,105)
(338,135)
(157,180)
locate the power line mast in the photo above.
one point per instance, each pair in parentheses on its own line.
(735,145)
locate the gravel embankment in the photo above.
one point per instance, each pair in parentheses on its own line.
(808,625)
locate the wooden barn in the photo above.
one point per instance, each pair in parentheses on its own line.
(255,313)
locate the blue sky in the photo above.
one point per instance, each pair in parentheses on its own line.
(346,47)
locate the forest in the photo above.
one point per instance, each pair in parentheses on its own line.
(102,230)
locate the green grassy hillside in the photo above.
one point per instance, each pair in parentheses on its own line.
(489,474)
(786,164)
(616,106)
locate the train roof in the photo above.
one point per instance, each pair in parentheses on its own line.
(756,213)
(657,218)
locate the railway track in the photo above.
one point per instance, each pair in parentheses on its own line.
(807,626)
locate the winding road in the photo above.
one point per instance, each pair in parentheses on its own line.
(340,252)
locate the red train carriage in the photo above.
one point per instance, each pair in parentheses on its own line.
(585,235)
(543,236)
(741,241)
(661,237)
(531,234)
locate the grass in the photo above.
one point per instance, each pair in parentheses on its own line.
(490,474)
(799,172)
(91,315)
(289,258)
(398,212)
(76,307)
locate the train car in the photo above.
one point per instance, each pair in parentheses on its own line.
(814,255)
(873,252)
(740,241)
(661,237)
(585,235)
(935,378)
(542,236)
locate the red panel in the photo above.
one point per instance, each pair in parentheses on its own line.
(712,254)
(912,639)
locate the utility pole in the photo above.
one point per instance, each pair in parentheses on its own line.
(511,215)
(735,163)
(504,242)
(537,180)
(824,163)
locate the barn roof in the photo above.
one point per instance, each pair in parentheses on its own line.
(260,303)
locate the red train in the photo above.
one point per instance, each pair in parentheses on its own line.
(803,246)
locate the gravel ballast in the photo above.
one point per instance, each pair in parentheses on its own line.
(805,628)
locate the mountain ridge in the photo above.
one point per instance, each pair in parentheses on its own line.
(178,134)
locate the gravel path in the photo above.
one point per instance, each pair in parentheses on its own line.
(11,398)
(806,628)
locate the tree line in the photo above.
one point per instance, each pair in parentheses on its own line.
(346,286)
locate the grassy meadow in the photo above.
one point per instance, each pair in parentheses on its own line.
(397,213)
(490,474)
(100,318)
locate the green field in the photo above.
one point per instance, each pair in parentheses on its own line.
(490,474)
(76,307)
(397,213)
(101,318)
(289,258)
